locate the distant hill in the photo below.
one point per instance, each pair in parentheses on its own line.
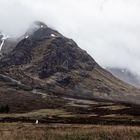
(126,76)
(7,44)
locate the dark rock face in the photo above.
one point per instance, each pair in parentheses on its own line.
(62,54)
(64,81)
(20,55)
(42,33)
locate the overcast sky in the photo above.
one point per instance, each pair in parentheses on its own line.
(108,29)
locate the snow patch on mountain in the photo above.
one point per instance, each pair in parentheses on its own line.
(26,36)
(3,38)
(53,35)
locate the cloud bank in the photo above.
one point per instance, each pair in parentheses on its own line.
(108,29)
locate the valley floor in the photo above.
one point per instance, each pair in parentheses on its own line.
(69,119)
(30,131)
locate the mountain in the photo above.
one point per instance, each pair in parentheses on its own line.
(2,39)
(47,70)
(7,44)
(126,76)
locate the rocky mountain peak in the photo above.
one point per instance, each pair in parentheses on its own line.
(40,24)
(39,31)
(47,52)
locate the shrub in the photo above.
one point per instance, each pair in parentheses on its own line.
(4,109)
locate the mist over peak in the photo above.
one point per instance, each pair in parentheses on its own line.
(108,30)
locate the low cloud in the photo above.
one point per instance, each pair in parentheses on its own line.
(108,29)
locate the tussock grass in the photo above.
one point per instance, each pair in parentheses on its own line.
(21,131)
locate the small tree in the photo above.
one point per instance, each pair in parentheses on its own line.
(7,109)
(4,109)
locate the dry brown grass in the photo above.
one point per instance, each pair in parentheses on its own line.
(23,131)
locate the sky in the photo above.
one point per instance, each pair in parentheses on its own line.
(109,30)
